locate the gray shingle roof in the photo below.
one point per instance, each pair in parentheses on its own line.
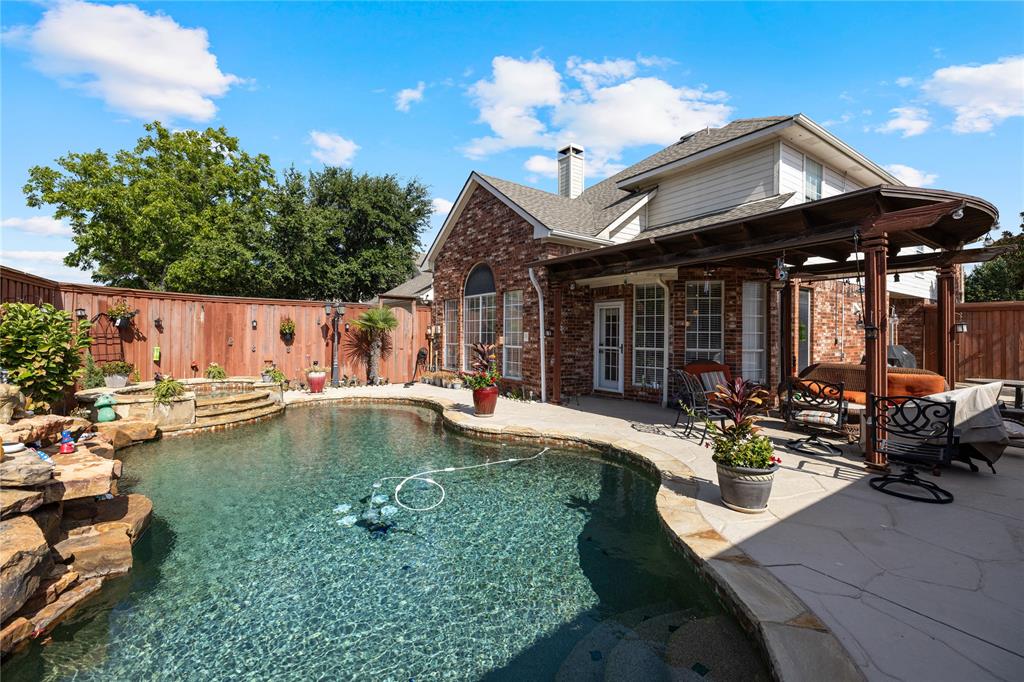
(735,213)
(601,204)
(412,287)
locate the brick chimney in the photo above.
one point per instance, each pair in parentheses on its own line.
(570,171)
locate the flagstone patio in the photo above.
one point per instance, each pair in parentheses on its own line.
(911,591)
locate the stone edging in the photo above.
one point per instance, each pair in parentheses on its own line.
(797,644)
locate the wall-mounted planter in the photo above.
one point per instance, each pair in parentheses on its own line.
(288,337)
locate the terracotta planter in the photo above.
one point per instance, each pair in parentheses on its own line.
(746,490)
(317,381)
(484,401)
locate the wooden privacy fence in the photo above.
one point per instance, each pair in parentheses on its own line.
(240,334)
(993,345)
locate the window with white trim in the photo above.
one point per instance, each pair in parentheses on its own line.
(704,324)
(512,348)
(813,174)
(755,337)
(479,312)
(451,334)
(648,335)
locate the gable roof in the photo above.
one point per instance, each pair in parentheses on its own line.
(416,286)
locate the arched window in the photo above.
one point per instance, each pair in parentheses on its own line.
(479,311)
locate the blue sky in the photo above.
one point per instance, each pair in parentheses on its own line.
(935,91)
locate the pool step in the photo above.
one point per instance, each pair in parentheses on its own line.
(211,407)
(717,648)
(255,411)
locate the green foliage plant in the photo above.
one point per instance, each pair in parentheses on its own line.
(1002,278)
(739,443)
(118,368)
(376,324)
(215,371)
(92,376)
(166,390)
(42,350)
(277,376)
(485,368)
(287,326)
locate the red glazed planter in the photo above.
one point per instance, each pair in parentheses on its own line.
(317,381)
(484,401)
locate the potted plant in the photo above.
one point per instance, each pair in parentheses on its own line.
(278,377)
(121,313)
(215,371)
(483,379)
(166,390)
(745,460)
(287,329)
(265,374)
(317,377)
(116,373)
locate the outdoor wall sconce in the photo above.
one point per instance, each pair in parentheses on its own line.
(254,324)
(960,327)
(80,313)
(347,327)
(159,324)
(896,277)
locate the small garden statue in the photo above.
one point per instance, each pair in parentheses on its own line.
(67,443)
(105,408)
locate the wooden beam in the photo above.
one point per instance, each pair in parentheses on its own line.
(876,337)
(919,218)
(946,338)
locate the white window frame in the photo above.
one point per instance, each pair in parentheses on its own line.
(821,178)
(755,332)
(512,332)
(450,340)
(712,353)
(475,330)
(638,347)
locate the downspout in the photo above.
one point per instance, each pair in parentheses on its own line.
(543,339)
(668,343)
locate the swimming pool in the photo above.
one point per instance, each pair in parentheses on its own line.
(553,568)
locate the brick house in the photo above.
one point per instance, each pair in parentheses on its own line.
(694,253)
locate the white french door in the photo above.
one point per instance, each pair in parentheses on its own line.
(608,331)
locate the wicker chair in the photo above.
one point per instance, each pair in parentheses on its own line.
(913,431)
(818,406)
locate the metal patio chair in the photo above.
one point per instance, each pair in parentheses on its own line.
(693,401)
(817,406)
(913,432)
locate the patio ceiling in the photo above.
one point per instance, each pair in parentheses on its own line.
(832,228)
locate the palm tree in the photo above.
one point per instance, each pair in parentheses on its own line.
(376,324)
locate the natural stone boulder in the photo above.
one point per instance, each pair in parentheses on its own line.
(24,469)
(45,428)
(100,448)
(81,474)
(97,553)
(138,429)
(56,582)
(16,501)
(11,401)
(13,632)
(24,558)
(129,513)
(48,617)
(113,432)
(48,518)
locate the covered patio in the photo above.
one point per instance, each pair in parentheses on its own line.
(863,235)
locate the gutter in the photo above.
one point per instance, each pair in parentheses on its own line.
(668,341)
(543,339)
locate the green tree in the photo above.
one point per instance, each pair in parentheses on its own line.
(376,324)
(182,211)
(339,234)
(41,349)
(1002,278)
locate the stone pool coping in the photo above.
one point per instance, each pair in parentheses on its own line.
(796,643)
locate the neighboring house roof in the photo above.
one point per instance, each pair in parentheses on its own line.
(734,213)
(417,286)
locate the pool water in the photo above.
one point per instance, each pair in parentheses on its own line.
(246,572)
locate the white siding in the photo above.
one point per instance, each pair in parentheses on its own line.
(832,184)
(731,181)
(791,173)
(630,229)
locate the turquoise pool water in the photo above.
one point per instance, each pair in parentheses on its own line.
(528,571)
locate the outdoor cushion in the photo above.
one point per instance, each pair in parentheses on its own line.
(712,380)
(816,417)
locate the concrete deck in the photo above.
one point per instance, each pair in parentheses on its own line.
(911,591)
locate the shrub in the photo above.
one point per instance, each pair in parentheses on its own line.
(215,371)
(41,350)
(93,377)
(166,390)
(277,376)
(118,367)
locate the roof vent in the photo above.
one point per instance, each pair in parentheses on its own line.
(570,171)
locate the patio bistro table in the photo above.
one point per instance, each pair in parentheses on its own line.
(1016,385)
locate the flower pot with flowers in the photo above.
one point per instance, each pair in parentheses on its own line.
(745,459)
(483,379)
(122,313)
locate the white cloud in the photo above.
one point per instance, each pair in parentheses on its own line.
(911,176)
(526,105)
(441,206)
(332,149)
(908,121)
(47,226)
(508,103)
(546,166)
(982,96)
(35,256)
(406,96)
(654,61)
(145,65)
(904,81)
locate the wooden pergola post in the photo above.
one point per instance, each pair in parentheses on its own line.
(946,337)
(876,333)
